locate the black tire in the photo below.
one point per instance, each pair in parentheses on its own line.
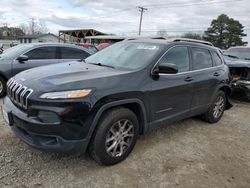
(210,116)
(100,144)
(2,87)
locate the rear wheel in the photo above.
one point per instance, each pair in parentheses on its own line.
(217,108)
(115,137)
(2,87)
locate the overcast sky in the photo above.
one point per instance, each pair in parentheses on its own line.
(122,17)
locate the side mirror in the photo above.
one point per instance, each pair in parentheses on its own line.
(22,58)
(167,68)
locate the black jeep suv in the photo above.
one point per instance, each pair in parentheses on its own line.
(103,103)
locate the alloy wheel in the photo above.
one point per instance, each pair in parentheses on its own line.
(119,138)
(219,107)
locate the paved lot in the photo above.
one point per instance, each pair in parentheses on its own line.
(189,153)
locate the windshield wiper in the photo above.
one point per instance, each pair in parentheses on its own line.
(232,56)
(247,58)
(103,65)
(82,60)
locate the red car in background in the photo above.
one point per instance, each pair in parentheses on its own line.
(103,45)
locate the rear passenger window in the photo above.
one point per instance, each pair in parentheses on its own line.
(73,53)
(201,58)
(216,58)
(178,56)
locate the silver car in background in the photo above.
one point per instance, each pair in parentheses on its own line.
(26,56)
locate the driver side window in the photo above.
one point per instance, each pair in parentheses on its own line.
(178,56)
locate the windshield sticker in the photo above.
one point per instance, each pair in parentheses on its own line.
(147,47)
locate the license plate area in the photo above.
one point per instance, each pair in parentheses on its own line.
(7,116)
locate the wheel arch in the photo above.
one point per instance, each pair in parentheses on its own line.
(135,105)
(228,91)
(132,104)
(3,76)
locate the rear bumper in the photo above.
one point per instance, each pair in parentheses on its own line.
(43,136)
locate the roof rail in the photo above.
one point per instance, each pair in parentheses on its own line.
(191,40)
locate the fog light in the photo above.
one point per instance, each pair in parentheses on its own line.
(48,117)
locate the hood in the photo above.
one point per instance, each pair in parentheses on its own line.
(232,62)
(68,76)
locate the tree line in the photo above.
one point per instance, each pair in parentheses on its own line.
(224,32)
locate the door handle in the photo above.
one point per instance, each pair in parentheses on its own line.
(216,74)
(188,79)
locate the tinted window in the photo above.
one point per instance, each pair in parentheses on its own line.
(73,53)
(42,53)
(201,58)
(179,57)
(217,59)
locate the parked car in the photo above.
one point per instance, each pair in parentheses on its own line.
(120,92)
(13,43)
(238,60)
(103,45)
(90,47)
(26,56)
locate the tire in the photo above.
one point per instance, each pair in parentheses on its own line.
(2,87)
(216,109)
(118,128)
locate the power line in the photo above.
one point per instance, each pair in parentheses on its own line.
(142,10)
(166,5)
(180,31)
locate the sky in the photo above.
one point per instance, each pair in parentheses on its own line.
(120,17)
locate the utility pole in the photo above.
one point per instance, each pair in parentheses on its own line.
(141,9)
(32,26)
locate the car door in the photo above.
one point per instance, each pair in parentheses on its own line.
(72,54)
(38,56)
(205,76)
(171,94)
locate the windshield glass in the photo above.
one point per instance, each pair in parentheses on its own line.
(13,52)
(126,55)
(238,53)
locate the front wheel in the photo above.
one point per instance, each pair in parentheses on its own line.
(115,136)
(217,108)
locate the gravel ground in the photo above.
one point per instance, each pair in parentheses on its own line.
(190,153)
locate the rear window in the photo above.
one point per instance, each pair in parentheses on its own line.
(73,53)
(216,58)
(201,58)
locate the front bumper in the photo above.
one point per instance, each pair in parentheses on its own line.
(60,136)
(242,85)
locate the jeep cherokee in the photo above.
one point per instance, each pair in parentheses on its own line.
(103,103)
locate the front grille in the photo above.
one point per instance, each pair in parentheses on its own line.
(18,93)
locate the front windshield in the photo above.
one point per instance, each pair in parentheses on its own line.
(238,53)
(126,55)
(13,52)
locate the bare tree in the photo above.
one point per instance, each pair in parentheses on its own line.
(162,33)
(34,27)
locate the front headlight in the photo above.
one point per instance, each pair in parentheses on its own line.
(66,94)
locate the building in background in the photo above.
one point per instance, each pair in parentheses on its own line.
(78,35)
(48,37)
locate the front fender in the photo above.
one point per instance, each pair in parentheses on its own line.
(112,104)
